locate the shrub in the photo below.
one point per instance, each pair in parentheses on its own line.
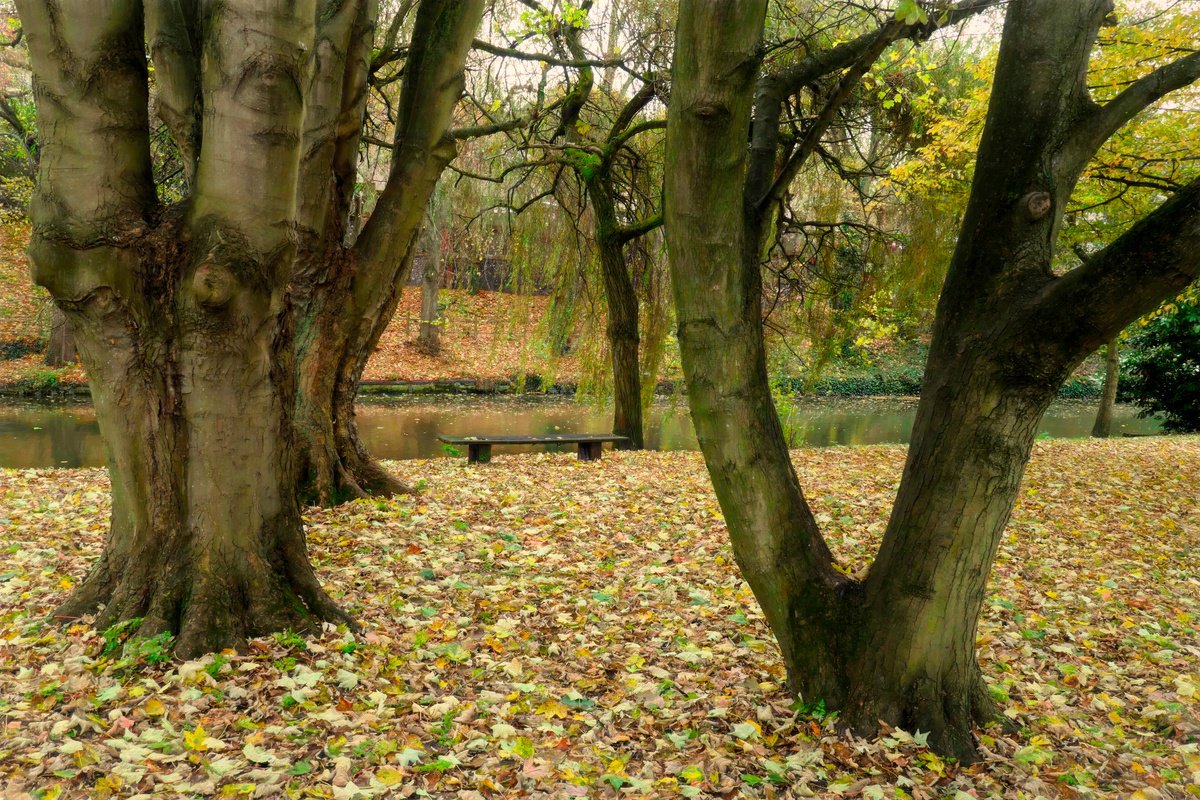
(1164,368)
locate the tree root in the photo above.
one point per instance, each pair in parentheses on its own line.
(208,610)
(946,709)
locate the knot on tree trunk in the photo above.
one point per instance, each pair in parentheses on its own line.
(213,285)
(1037,205)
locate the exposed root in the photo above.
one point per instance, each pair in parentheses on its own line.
(946,710)
(209,610)
(985,710)
(89,596)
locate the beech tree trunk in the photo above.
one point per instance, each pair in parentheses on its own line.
(181,315)
(898,645)
(348,295)
(1102,428)
(224,337)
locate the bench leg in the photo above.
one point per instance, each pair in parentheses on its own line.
(590,451)
(479,453)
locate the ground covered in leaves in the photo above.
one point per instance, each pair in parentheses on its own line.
(542,627)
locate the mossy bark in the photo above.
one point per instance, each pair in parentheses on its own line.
(182,316)
(898,645)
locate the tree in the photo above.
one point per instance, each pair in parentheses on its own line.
(594,138)
(60,347)
(346,292)
(897,644)
(429,336)
(1102,427)
(211,329)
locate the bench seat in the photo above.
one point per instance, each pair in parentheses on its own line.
(479,448)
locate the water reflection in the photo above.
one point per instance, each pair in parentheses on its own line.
(66,435)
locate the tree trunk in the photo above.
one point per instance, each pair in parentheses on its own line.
(654,345)
(206,540)
(348,295)
(60,349)
(970,443)
(622,328)
(431,280)
(181,317)
(1102,428)
(333,348)
(898,645)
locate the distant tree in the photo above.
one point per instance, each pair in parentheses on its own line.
(897,644)
(429,333)
(597,152)
(1164,367)
(1102,427)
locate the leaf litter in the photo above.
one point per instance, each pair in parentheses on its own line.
(546,628)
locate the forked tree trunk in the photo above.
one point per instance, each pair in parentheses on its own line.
(181,315)
(898,645)
(1102,428)
(206,540)
(347,295)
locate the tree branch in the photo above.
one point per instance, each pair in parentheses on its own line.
(816,129)
(617,142)
(628,233)
(1096,127)
(545,58)
(640,100)
(1157,257)
(773,87)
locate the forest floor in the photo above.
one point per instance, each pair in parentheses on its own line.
(546,628)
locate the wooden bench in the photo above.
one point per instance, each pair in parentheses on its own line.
(479,448)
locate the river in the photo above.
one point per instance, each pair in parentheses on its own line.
(38,435)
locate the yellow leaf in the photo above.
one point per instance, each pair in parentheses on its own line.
(194,739)
(389,776)
(553,708)
(154,707)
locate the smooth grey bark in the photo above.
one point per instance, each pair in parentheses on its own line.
(208,328)
(429,334)
(898,645)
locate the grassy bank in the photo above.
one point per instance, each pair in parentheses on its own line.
(545,628)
